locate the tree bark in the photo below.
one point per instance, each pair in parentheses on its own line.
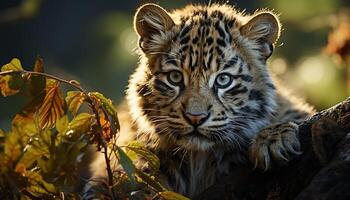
(321,172)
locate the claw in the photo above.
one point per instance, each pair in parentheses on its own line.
(291,149)
(280,155)
(267,160)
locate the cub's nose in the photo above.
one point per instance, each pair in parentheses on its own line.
(196,119)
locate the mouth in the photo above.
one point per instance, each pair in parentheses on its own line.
(196,134)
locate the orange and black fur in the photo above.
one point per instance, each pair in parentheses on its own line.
(202,98)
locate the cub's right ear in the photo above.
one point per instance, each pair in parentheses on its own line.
(151,22)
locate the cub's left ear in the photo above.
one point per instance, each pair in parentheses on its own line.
(264,28)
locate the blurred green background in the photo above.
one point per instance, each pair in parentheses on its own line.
(92,41)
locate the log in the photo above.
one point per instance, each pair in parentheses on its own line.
(321,172)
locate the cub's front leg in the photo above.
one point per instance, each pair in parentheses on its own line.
(276,144)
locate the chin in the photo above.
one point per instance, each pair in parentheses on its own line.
(193,143)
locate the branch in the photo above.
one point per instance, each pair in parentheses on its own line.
(321,171)
(90,101)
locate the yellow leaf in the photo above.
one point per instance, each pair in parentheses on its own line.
(52,108)
(169,195)
(74,100)
(5,88)
(14,65)
(11,84)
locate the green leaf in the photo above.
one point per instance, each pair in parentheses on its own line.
(74,100)
(140,150)
(108,106)
(150,180)
(14,65)
(169,195)
(62,124)
(127,164)
(81,123)
(37,185)
(25,125)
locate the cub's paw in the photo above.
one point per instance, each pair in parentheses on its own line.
(276,144)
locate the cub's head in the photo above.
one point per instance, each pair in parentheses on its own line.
(202,80)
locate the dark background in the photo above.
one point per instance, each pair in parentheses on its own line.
(92,41)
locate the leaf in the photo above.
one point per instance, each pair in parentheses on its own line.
(25,124)
(20,168)
(108,106)
(13,149)
(105,127)
(169,195)
(37,83)
(62,124)
(127,164)
(74,100)
(11,84)
(37,185)
(2,142)
(34,88)
(150,180)
(81,123)
(14,65)
(6,85)
(140,150)
(53,107)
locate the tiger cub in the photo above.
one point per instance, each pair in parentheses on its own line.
(202,98)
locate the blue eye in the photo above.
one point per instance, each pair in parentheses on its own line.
(223,80)
(175,77)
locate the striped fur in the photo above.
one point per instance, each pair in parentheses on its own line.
(203,44)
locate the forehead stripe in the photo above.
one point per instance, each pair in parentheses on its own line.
(246,78)
(231,62)
(220,30)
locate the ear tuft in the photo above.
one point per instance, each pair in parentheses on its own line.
(263,26)
(151,19)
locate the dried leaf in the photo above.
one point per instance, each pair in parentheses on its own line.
(20,168)
(107,104)
(10,85)
(74,100)
(37,83)
(169,195)
(53,107)
(2,145)
(106,127)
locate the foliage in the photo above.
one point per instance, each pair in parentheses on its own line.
(41,154)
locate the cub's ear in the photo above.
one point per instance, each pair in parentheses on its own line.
(264,28)
(151,21)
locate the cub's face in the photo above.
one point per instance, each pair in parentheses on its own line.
(202,81)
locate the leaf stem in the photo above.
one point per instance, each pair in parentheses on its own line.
(94,110)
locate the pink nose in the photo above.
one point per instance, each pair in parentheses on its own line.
(196,119)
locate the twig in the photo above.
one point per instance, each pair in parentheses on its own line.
(94,110)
